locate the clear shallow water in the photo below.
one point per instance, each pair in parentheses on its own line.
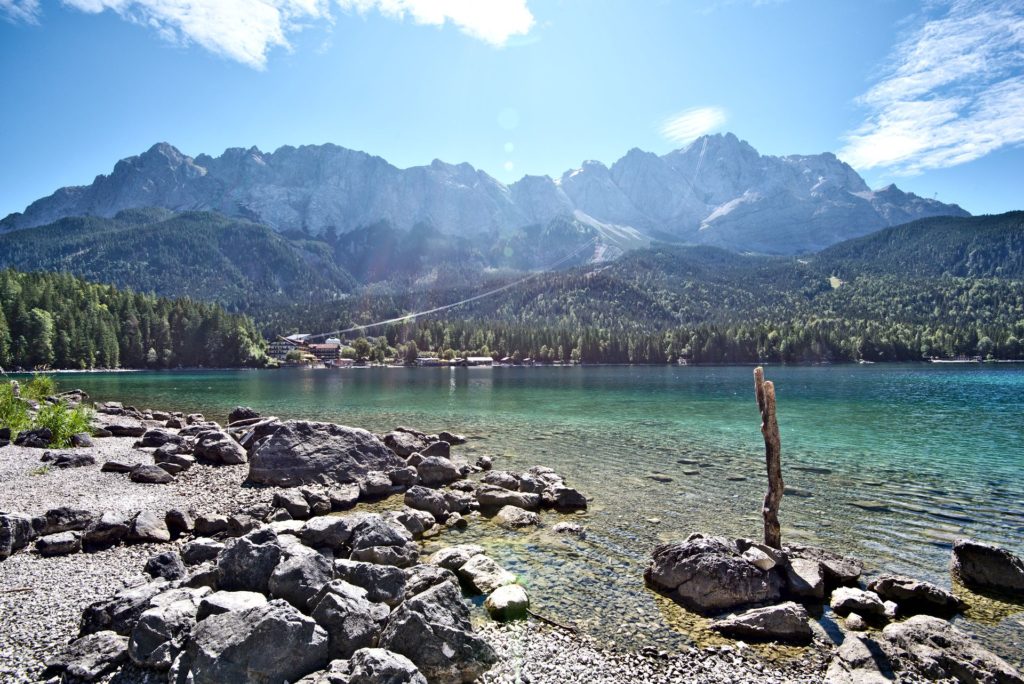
(889,463)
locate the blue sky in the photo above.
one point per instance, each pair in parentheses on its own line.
(929,95)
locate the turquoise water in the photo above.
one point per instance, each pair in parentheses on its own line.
(889,463)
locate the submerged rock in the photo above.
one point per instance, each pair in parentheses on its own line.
(942,651)
(916,596)
(509,602)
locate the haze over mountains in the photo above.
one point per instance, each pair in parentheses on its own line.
(716,191)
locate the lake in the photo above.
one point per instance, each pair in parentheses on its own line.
(890,463)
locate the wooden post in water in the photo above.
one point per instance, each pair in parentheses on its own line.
(764,390)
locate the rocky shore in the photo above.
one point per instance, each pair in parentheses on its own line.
(170,548)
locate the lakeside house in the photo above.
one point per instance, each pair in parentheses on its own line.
(279,348)
(325,353)
(479,361)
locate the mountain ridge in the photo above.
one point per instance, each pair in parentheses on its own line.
(718,190)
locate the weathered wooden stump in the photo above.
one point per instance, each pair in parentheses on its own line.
(764,390)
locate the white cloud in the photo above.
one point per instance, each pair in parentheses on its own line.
(492,21)
(692,123)
(246,30)
(953,92)
(20,10)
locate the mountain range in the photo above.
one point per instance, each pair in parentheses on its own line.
(716,191)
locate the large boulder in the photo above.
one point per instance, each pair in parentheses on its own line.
(988,568)
(60,544)
(157,437)
(785,622)
(861,660)
(302,452)
(916,596)
(564,499)
(246,563)
(265,644)
(419,578)
(380,666)
(708,575)
(149,527)
(375,540)
(503,479)
(941,651)
(432,629)
(351,620)
(200,550)
(406,443)
(218,446)
(88,658)
(454,557)
(167,564)
(36,438)
(294,502)
(145,473)
(836,569)
(804,579)
(333,532)
(514,518)
(242,413)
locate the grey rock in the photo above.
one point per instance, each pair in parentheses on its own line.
(161,631)
(60,544)
(374,485)
(88,658)
(147,527)
(786,622)
(987,567)
(404,477)
(167,564)
(266,644)
(299,577)
(804,580)
(200,550)
(419,578)
(867,604)
(493,498)
(179,522)
(855,623)
(120,612)
(352,621)
(860,660)
(416,521)
(116,467)
(454,557)
(570,528)
(218,446)
(67,519)
(209,525)
(343,496)
(565,499)
(74,459)
(483,574)
(246,563)
(294,502)
(484,463)
(126,430)
(503,479)
(836,569)
(302,452)
(242,413)
(318,499)
(374,530)
(331,531)
(111,528)
(225,601)
(451,437)
(438,448)
(81,440)
(405,444)
(382,583)
(429,500)
(380,666)
(157,437)
(509,602)
(707,575)
(435,471)
(36,438)
(170,454)
(240,525)
(399,556)
(150,474)
(942,651)
(432,629)
(916,596)
(514,518)
(16,531)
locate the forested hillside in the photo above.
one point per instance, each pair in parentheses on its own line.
(242,265)
(59,321)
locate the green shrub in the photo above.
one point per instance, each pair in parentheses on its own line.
(39,387)
(63,422)
(13,412)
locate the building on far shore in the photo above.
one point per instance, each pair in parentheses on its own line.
(479,361)
(326,353)
(279,348)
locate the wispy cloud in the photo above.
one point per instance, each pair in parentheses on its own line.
(247,30)
(953,91)
(492,21)
(20,10)
(692,123)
